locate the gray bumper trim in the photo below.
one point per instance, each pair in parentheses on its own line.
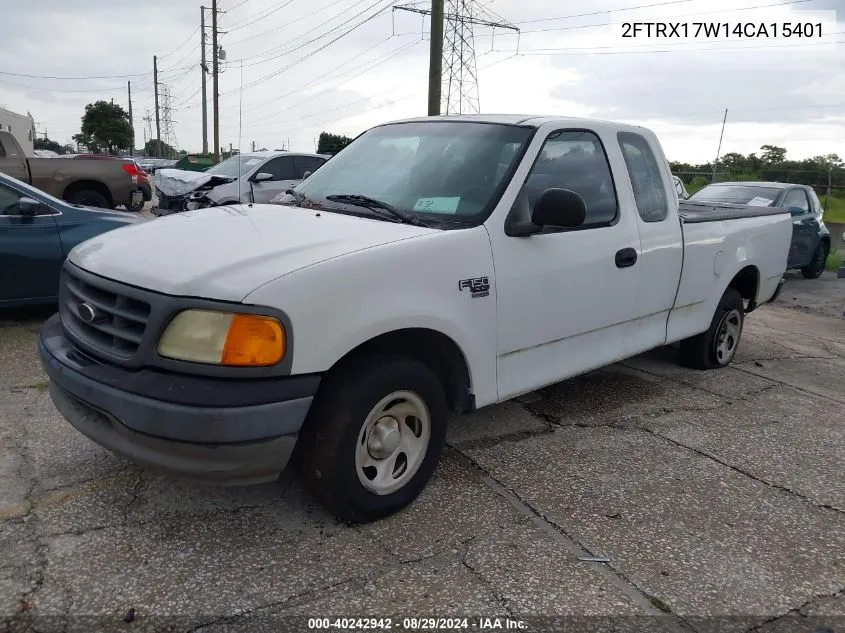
(166,420)
(236,464)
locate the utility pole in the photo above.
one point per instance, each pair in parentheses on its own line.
(214,72)
(719,149)
(204,70)
(452,49)
(253,146)
(435,58)
(131,120)
(158,123)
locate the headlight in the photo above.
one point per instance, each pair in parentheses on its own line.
(223,338)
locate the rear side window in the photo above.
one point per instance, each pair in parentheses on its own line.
(281,168)
(307,163)
(645,174)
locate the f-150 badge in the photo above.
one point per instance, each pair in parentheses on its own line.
(478,286)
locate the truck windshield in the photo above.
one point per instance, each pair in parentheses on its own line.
(737,194)
(439,169)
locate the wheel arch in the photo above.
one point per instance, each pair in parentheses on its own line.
(747,283)
(439,352)
(93,185)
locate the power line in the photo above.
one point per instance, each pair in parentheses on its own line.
(665,17)
(258,17)
(314,52)
(287,24)
(242,2)
(623,50)
(583,15)
(369,66)
(280,51)
(187,39)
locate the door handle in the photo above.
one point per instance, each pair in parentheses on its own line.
(626,257)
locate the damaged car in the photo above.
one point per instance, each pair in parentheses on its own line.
(244,178)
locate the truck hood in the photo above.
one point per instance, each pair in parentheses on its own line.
(178,182)
(227,252)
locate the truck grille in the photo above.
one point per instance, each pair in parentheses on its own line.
(101,317)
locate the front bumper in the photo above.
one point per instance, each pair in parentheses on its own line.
(211,429)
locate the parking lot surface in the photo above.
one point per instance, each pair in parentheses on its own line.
(716,498)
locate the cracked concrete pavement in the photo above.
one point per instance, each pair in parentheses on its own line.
(718,499)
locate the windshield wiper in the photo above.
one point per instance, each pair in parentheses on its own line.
(371,203)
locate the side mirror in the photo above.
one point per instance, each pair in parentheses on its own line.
(559,207)
(306,174)
(262,176)
(796,210)
(28,206)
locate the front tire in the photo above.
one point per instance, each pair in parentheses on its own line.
(374,436)
(815,268)
(717,346)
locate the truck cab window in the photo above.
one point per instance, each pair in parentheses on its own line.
(575,160)
(2,151)
(797,198)
(645,175)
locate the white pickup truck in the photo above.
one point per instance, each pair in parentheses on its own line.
(436,264)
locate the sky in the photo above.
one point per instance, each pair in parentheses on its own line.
(294,68)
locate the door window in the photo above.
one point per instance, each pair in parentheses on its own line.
(307,163)
(575,160)
(646,177)
(797,198)
(8,201)
(281,168)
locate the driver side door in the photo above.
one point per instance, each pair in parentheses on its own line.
(284,177)
(30,251)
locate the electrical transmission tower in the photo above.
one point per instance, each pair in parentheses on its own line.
(459,77)
(166,114)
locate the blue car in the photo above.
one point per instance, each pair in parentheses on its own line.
(37,231)
(810,237)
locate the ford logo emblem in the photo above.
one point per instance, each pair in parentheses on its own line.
(86,312)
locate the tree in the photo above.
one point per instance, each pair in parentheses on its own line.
(45,143)
(772,154)
(105,126)
(166,150)
(332,143)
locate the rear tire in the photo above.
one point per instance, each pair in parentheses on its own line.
(374,436)
(815,268)
(89,198)
(717,346)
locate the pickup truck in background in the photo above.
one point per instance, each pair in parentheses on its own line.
(810,244)
(91,183)
(434,264)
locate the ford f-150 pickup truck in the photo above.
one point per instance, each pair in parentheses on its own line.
(89,182)
(436,264)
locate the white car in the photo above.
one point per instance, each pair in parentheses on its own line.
(435,264)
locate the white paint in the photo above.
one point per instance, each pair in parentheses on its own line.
(557,305)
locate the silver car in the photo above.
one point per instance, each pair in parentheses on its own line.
(255,177)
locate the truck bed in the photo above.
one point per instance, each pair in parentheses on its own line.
(693,212)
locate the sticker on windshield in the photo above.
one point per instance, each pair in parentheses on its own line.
(437,205)
(759,202)
(252,161)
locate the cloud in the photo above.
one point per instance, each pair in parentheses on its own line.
(572,61)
